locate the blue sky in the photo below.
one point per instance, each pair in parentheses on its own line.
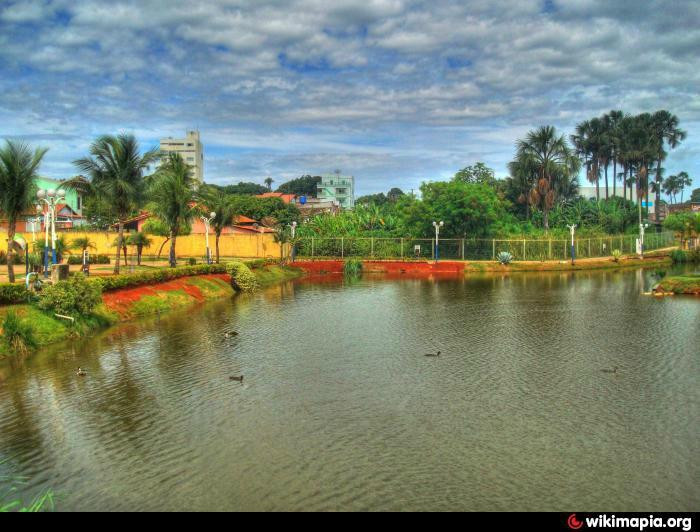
(395,92)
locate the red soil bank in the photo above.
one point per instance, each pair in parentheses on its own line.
(120,301)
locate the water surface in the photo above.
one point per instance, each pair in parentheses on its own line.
(341,410)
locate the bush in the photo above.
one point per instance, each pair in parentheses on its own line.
(18,334)
(3,258)
(352,267)
(616,255)
(75,297)
(505,258)
(242,279)
(11,294)
(94,259)
(678,256)
(192,261)
(157,276)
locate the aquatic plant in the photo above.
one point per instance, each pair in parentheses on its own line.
(18,334)
(505,258)
(10,501)
(678,256)
(352,267)
(616,255)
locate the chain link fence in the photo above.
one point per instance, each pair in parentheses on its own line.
(475,249)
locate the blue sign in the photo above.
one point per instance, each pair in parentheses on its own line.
(647,204)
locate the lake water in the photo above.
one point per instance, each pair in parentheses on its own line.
(341,410)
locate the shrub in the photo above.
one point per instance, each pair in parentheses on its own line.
(18,334)
(352,267)
(242,279)
(75,297)
(192,261)
(94,259)
(616,255)
(505,258)
(11,294)
(16,260)
(157,276)
(678,256)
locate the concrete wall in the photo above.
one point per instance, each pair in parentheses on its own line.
(244,246)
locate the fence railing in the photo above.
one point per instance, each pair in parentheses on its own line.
(474,248)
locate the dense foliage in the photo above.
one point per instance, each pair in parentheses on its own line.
(156,276)
(242,279)
(18,333)
(11,294)
(75,297)
(302,186)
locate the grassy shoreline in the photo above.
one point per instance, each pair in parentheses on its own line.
(680,284)
(131,303)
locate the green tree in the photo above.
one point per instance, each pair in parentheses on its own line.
(18,170)
(301,186)
(243,188)
(554,162)
(686,224)
(477,174)
(695,196)
(114,173)
(173,191)
(684,181)
(268,183)
(223,207)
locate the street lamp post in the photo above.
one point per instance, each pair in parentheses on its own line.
(572,228)
(642,228)
(437,227)
(293,226)
(50,197)
(207,223)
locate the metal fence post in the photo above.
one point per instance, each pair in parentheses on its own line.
(524,254)
(402,248)
(432,248)
(493,244)
(371,246)
(462,249)
(549,254)
(342,247)
(312,247)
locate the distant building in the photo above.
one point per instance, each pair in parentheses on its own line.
(191,150)
(590,192)
(313,206)
(337,188)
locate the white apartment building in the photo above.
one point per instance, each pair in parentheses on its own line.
(191,150)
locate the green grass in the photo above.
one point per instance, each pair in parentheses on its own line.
(161,303)
(270,275)
(211,288)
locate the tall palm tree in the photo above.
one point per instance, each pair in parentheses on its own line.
(554,163)
(665,126)
(222,206)
(523,171)
(268,183)
(614,121)
(173,190)
(115,174)
(641,149)
(18,171)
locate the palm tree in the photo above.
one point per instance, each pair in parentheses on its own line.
(173,191)
(18,171)
(614,121)
(268,182)
(83,244)
(684,181)
(523,171)
(140,240)
(665,126)
(553,161)
(222,206)
(114,173)
(641,149)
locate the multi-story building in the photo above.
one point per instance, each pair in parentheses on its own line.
(191,150)
(337,188)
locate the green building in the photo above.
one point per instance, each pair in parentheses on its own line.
(337,188)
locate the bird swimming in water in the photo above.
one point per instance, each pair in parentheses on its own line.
(236,379)
(608,370)
(433,354)
(81,372)
(230,334)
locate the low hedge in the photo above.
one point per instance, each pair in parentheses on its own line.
(94,259)
(156,276)
(11,294)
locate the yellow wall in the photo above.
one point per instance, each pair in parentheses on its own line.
(244,246)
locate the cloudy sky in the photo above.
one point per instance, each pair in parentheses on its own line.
(394,92)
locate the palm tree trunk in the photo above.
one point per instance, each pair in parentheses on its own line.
(607,186)
(160,251)
(217,247)
(657,200)
(10,250)
(120,239)
(173,238)
(614,178)
(139,252)
(126,262)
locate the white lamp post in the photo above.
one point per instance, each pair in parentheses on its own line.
(207,223)
(293,225)
(437,227)
(642,228)
(572,228)
(50,198)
